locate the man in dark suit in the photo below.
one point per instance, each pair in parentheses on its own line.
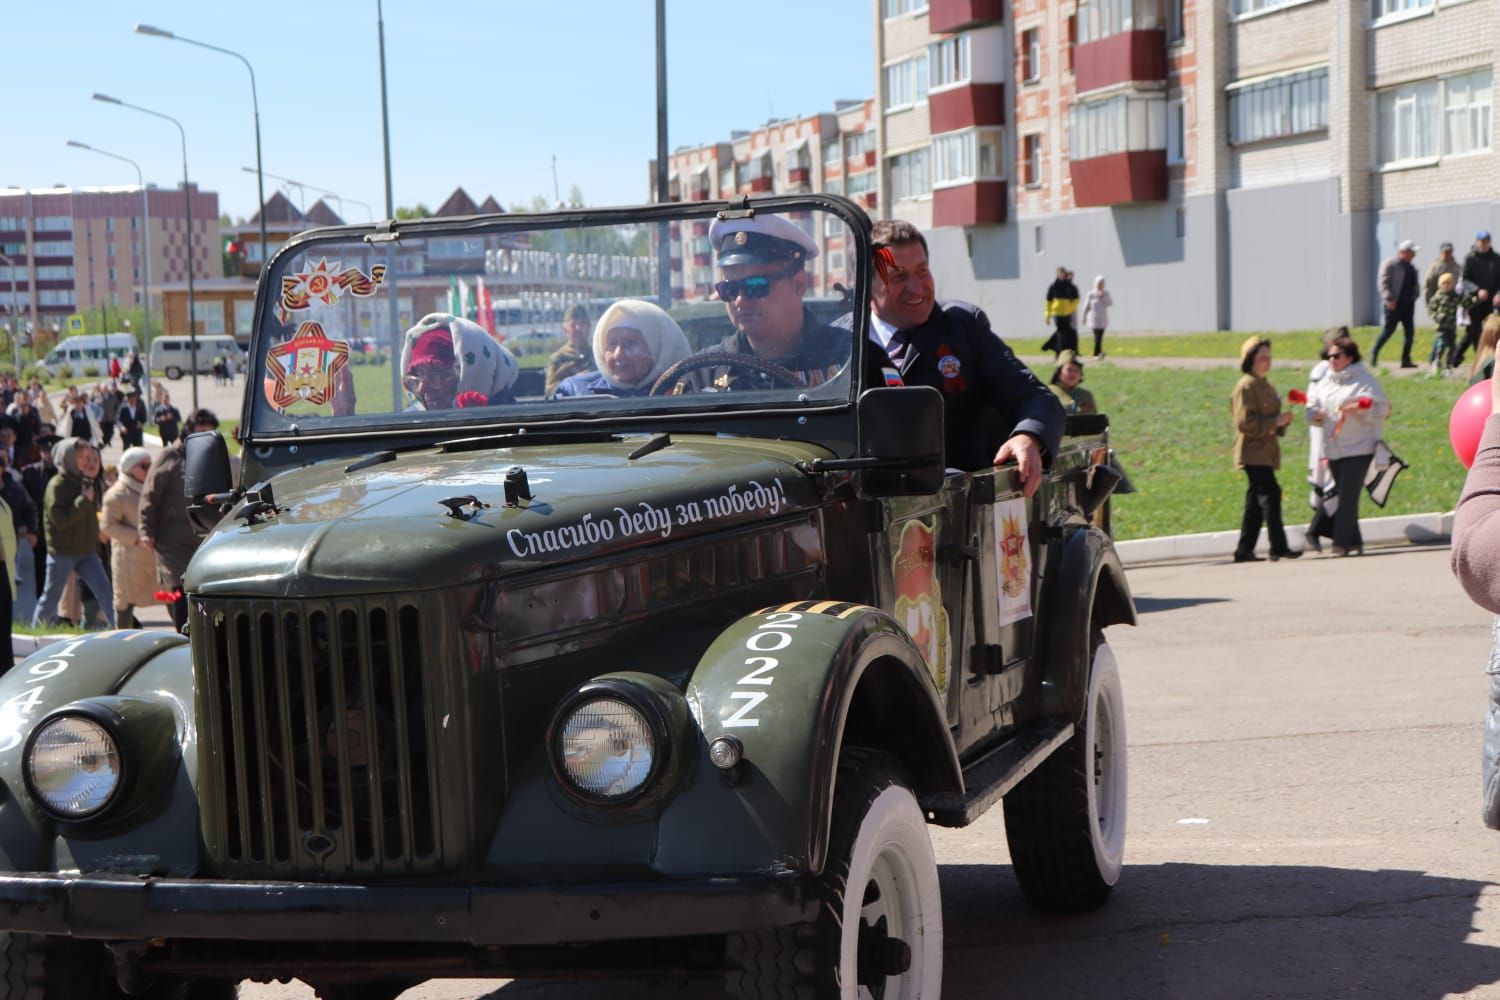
(990,395)
(1399,287)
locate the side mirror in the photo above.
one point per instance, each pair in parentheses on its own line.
(901,441)
(208,481)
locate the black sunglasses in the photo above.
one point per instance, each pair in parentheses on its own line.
(1336,354)
(757,287)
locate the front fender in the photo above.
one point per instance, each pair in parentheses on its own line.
(1086,590)
(793,684)
(148,665)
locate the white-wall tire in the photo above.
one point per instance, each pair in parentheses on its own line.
(1065,822)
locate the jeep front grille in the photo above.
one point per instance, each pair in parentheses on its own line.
(321,742)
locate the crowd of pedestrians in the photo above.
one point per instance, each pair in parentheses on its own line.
(1459,298)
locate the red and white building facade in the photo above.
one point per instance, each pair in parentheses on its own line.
(1227,164)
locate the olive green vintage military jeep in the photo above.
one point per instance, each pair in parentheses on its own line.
(664,677)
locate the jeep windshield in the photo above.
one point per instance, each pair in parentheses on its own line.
(510,320)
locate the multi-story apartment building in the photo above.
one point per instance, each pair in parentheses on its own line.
(832,151)
(75,249)
(1243,164)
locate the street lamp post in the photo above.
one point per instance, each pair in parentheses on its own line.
(15,315)
(260,184)
(146,251)
(187,198)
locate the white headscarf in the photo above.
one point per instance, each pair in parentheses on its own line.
(1098,282)
(484,365)
(664,338)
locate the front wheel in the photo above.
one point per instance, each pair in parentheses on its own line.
(173,372)
(880,931)
(1066,822)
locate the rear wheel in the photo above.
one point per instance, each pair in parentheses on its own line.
(173,372)
(1066,822)
(880,931)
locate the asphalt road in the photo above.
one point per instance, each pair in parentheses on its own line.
(1304,814)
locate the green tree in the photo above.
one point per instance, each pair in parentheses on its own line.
(420,211)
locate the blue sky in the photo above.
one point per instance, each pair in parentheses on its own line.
(482,94)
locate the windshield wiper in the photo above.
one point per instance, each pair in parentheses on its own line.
(521,436)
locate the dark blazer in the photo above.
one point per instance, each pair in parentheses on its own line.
(990,394)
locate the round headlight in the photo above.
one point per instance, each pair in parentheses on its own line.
(605,748)
(73,766)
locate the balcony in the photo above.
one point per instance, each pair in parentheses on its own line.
(799,175)
(701,260)
(1119,178)
(760,185)
(978,203)
(947,16)
(698,194)
(1127,57)
(967,106)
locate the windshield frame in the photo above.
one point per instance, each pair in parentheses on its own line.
(726,412)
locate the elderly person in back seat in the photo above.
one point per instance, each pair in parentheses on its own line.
(449,362)
(634,342)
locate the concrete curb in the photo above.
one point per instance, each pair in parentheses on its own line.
(1415,529)
(22,646)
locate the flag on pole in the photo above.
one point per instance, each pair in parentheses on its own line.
(453,303)
(486,311)
(465,300)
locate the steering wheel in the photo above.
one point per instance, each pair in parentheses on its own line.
(724,359)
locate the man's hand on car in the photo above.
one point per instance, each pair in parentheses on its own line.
(1028,456)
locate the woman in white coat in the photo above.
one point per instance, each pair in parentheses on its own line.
(1348,408)
(1096,313)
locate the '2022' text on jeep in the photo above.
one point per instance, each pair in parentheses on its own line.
(663,677)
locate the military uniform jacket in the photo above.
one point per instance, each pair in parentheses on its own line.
(565,362)
(822,354)
(990,394)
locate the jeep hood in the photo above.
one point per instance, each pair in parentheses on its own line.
(382,529)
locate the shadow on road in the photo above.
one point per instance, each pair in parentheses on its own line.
(1187,931)
(1147,605)
(1222,931)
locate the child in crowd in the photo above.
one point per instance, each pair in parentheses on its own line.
(1443,307)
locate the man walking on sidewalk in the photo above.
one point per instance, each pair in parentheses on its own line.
(1399,287)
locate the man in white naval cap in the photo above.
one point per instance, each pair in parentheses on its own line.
(763,263)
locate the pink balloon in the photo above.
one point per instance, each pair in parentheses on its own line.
(1466,422)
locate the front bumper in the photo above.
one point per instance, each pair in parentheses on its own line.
(108,907)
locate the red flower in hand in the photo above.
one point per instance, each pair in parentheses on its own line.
(1296,396)
(472,398)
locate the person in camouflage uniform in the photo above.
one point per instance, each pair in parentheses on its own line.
(577,355)
(1443,306)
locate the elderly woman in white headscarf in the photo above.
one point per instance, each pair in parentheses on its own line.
(634,342)
(448,362)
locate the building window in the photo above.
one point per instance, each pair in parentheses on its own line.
(109,224)
(835,262)
(1128,123)
(949,61)
(54,224)
(862,183)
(244,317)
(1102,18)
(1176,131)
(860,143)
(1395,8)
(1038,243)
(54,248)
(1072,39)
(109,250)
(831,151)
(208,317)
(961,157)
(1031,160)
(1410,129)
(111,276)
(726,181)
(1290,104)
(12,223)
(55,297)
(53,273)
(1031,55)
(906,83)
(1466,112)
(910,177)
(895,8)
(833,185)
(1257,6)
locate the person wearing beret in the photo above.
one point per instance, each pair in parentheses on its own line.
(764,265)
(1259,425)
(991,397)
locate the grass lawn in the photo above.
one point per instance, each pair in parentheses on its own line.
(1226,344)
(1172,431)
